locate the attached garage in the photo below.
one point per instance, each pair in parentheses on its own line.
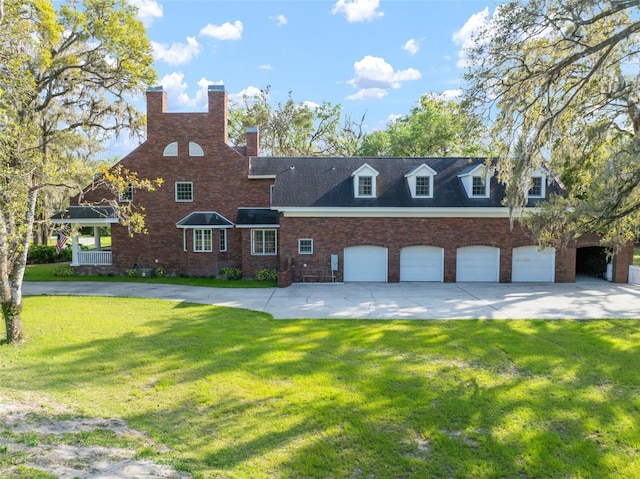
(529,264)
(478,263)
(422,263)
(365,263)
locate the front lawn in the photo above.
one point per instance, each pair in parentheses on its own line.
(236,394)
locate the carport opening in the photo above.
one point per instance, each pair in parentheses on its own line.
(592,261)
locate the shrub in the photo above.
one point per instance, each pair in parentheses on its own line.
(41,254)
(160,272)
(231,274)
(132,273)
(64,270)
(267,274)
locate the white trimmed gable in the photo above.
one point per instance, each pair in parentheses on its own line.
(364,182)
(171,149)
(473,178)
(425,188)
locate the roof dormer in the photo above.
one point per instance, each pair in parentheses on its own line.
(364,182)
(420,180)
(475,180)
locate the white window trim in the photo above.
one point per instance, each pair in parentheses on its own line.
(300,240)
(222,240)
(467,181)
(364,171)
(121,199)
(485,184)
(176,191)
(253,251)
(543,184)
(424,171)
(204,248)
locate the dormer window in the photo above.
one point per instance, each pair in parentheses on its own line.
(420,181)
(364,182)
(537,187)
(478,186)
(475,179)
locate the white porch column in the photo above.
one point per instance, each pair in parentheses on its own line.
(96,238)
(74,251)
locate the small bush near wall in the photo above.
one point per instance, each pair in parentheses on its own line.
(231,274)
(41,254)
(267,274)
(64,270)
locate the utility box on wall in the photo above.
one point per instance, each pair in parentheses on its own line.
(334,262)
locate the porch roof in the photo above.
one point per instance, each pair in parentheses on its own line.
(257,217)
(204,219)
(87,216)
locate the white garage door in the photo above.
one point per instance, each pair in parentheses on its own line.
(478,263)
(365,263)
(421,263)
(531,264)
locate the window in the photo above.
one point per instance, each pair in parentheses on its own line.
(223,240)
(126,195)
(263,242)
(365,186)
(478,186)
(195,149)
(536,186)
(171,149)
(184,191)
(202,241)
(423,184)
(305,246)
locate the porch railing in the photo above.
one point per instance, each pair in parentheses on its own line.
(92,258)
(634,274)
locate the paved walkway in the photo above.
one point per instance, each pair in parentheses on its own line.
(586,299)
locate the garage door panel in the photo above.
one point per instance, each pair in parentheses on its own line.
(422,263)
(478,263)
(365,263)
(529,264)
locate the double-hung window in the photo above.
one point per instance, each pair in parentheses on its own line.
(478,186)
(305,246)
(222,238)
(202,241)
(365,186)
(536,186)
(184,191)
(423,186)
(264,242)
(126,195)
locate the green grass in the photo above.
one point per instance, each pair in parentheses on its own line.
(235,394)
(636,256)
(45,272)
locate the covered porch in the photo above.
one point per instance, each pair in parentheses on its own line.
(88,216)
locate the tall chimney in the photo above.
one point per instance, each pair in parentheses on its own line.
(217,97)
(156,106)
(253,141)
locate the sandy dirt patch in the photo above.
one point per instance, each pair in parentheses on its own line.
(31,436)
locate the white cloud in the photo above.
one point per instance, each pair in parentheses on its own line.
(466,36)
(148,10)
(250,92)
(374,76)
(266,66)
(279,19)
(448,95)
(412,46)
(311,105)
(177,53)
(392,118)
(177,96)
(358,10)
(226,31)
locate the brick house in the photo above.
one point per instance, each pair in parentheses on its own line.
(321,219)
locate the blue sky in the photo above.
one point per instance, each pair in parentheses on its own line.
(370,56)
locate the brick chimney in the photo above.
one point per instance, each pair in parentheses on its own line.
(217,97)
(156,106)
(253,141)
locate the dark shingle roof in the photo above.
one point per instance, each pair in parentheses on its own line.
(257,216)
(327,182)
(79,213)
(204,219)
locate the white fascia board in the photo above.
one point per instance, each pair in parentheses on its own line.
(488,212)
(262,177)
(87,222)
(204,227)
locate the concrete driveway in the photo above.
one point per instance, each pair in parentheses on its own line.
(585,299)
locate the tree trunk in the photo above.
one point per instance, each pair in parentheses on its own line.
(13,324)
